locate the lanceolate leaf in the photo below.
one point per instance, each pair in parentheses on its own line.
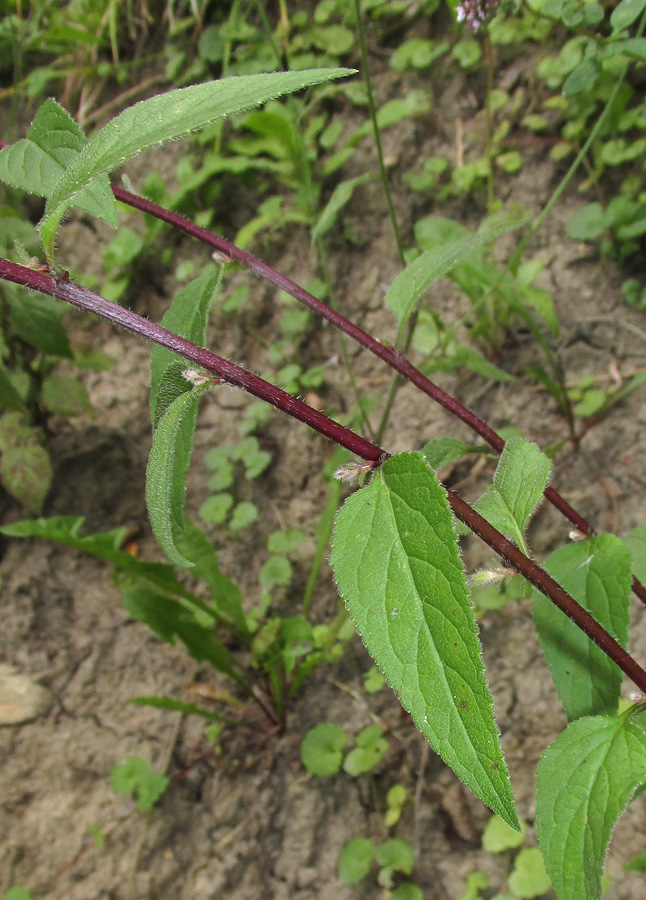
(36,163)
(585,780)
(163,118)
(398,568)
(187,316)
(597,574)
(166,472)
(416,278)
(341,195)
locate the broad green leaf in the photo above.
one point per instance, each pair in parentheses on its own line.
(341,195)
(583,77)
(518,486)
(529,878)
(597,574)
(26,473)
(189,709)
(17,893)
(498,836)
(65,396)
(36,163)
(225,595)
(371,748)
(433,264)
(166,473)
(355,860)
(398,568)
(395,854)
(585,780)
(163,118)
(187,316)
(625,13)
(9,396)
(321,750)
(588,223)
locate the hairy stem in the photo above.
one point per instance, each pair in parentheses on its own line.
(237,376)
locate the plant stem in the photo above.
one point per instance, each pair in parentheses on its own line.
(386,352)
(236,376)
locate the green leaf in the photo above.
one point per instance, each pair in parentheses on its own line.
(635,540)
(518,486)
(584,783)
(170,620)
(597,574)
(626,13)
(17,893)
(395,854)
(285,541)
(164,118)
(529,877)
(433,264)
(637,863)
(398,568)
(321,750)
(9,396)
(36,164)
(26,473)
(65,396)
(166,473)
(276,572)
(215,509)
(244,515)
(187,316)
(37,320)
(583,77)
(588,223)
(407,891)
(134,776)
(498,836)
(370,750)
(341,196)
(443,451)
(355,860)
(225,595)
(167,703)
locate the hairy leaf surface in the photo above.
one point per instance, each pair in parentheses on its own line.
(163,118)
(597,574)
(398,568)
(585,780)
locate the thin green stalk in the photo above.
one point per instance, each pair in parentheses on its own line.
(489,120)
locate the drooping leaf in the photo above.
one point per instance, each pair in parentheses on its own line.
(397,565)
(443,451)
(187,316)
(36,163)
(518,486)
(585,780)
(168,703)
(341,195)
(65,396)
(37,320)
(163,118)
(166,473)
(171,620)
(597,574)
(225,595)
(416,278)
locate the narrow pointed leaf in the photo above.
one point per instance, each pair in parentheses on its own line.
(398,568)
(187,316)
(433,264)
(597,574)
(166,472)
(585,780)
(165,117)
(518,486)
(341,195)
(36,163)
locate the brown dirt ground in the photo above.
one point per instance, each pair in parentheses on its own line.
(251,823)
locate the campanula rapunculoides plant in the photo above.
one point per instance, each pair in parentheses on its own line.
(395,552)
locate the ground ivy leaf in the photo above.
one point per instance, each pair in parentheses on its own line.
(166,472)
(585,780)
(398,568)
(518,486)
(163,118)
(597,574)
